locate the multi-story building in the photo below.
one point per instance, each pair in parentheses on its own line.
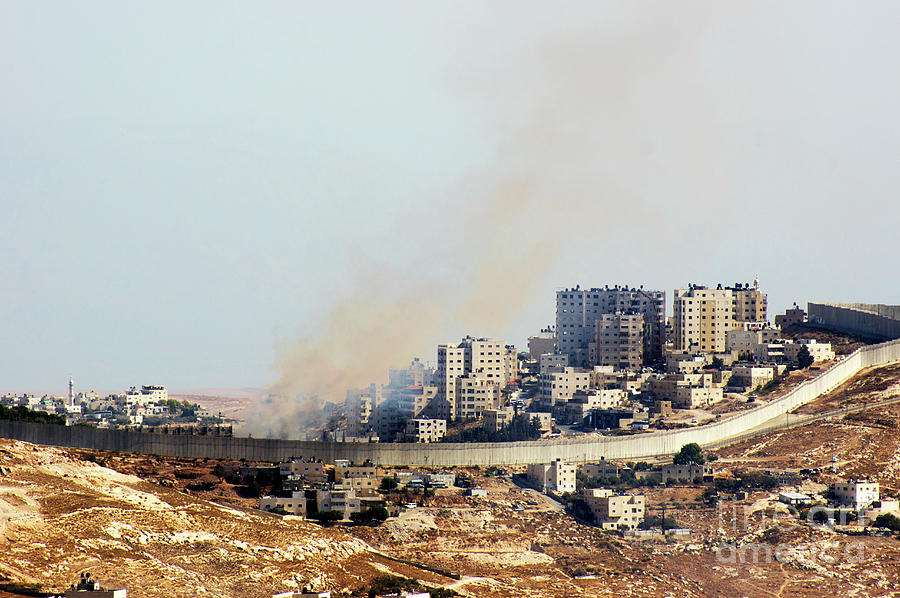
(155,393)
(493,361)
(553,362)
(295,504)
(342,500)
(497,419)
(474,395)
(417,374)
(752,376)
(578,310)
(750,304)
(557,476)
(358,407)
(818,351)
(615,512)
(577,408)
(310,470)
(703,316)
(744,338)
(425,430)
(413,400)
(856,493)
(618,341)
(562,386)
(794,315)
(691,397)
(689,472)
(542,343)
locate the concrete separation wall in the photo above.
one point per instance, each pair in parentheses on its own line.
(772,415)
(869,320)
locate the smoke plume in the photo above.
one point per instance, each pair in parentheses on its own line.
(605,139)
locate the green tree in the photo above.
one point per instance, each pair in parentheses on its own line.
(804,359)
(327,517)
(690,453)
(388,484)
(889,521)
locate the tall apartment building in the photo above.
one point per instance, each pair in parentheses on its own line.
(492,361)
(577,311)
(561,386)
(358,407)
(475,394)
(417,374)
(703,316)
(618,341)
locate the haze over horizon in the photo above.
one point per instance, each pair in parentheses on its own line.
(210,196)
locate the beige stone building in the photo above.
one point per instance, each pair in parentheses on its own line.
(494,363)
(541,344)
(562,386)
(818,351)
(702,316)
(578,309)
(618,341)
(689,472)
(615,512)
(425,430)
(557,476)
(474,395)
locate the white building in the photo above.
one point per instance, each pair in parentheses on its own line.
(295,504)
(494,363)
(425,430)
(343,500)
(556,476)
(818,351)
(858,494)
(553,362)
(615,512)
(155,393)
(562,386)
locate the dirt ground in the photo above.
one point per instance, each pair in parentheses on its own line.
(134,521)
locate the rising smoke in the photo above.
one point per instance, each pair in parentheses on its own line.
(611,132)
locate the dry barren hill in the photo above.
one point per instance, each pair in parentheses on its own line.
(138,522)
(60,516)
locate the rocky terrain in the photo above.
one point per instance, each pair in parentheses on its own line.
(170,527)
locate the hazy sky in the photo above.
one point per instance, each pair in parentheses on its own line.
(187,187)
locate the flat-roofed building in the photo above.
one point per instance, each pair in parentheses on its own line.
(672,472)
(702,316)
(425,430)
(542,344)
(552,362)
(295,504)
(618,341)
(557,476)
(818,351)
(562,386)
(858,494)
(492,361)
(578,309)
(615,512)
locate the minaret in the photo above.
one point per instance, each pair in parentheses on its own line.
(71,392)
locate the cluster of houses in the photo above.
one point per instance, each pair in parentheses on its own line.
(862,496)
(614,360)
(310,485)
(132,408)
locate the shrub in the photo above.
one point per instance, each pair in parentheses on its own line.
(891,522)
